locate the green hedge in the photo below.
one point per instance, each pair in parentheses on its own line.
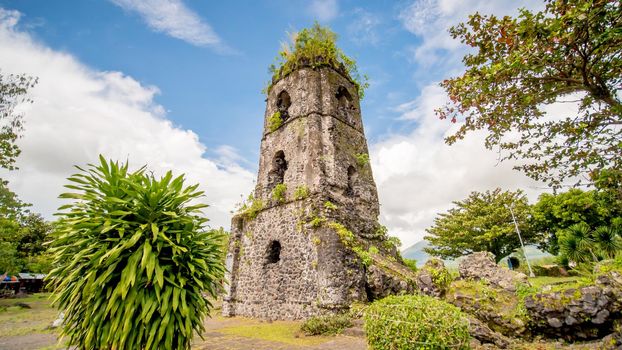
(415,322)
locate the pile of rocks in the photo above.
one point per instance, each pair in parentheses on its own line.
(578,313)
(500,317)
(482,266)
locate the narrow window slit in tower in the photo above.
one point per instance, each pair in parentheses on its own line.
(344,100)
(274,252)
(277,173)
(283,102)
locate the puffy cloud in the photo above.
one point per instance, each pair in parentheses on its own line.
(175,19)
(79,113)
(418,175)
(431,19)
(324,10)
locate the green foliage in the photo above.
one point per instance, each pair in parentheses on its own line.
(415,322)
(363,254)
(571,50)
(609,185)
(275,121)
(316,240)
(330,205)
(382,231)
(134,260)
(316,47)
(13,90)
(41,263)
(251,207)
(440,275)
(11,207)
(554,213)
(362,159)
(373,250)
(346,236)
(581,244)
(349,241)
(278,193)
(22,234)
(301,192)
(9,262)
(411,264)
(394,242)
(317,221)
(482,222)
(326,325)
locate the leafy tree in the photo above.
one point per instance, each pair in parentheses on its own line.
(13,89)
(554,213)
(482,222)
(11,207)
(22,233)
(609,185)
(570,52)
(32,235)
(133,259)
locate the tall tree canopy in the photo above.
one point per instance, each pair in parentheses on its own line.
(570,52)
(482,222)
(554,213)
(13,89)
(22,233)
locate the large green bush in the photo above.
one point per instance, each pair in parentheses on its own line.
(415,322)
(133,260)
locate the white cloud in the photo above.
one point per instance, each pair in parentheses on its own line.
(431,19)
(420,164)
(79,113)
(175,19)
(418,175)
(363,29)
(324,10)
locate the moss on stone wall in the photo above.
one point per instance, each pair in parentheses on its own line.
(275,121)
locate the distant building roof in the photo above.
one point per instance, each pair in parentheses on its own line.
(31,276)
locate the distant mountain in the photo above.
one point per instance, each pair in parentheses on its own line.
(416,252)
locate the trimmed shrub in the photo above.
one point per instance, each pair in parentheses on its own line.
(134,260)
(415,322)
(326,325)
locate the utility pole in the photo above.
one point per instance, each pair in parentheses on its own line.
(531,274)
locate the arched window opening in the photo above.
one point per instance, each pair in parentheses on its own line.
(277,173)
(352,177)
(283,101)
(344,99)
(274,252)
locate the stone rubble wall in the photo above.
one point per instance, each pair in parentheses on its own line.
(320,146)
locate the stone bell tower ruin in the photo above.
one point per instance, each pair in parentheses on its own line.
(310,242)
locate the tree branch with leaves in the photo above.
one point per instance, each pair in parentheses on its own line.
(570,51)
(13,90)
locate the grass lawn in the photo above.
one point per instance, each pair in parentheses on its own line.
(27,328)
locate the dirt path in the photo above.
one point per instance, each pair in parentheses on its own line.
(245,334)
(26,329)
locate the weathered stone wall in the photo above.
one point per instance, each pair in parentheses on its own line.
(319,146)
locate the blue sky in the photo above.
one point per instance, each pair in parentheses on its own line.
(214,89)
(176,84)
